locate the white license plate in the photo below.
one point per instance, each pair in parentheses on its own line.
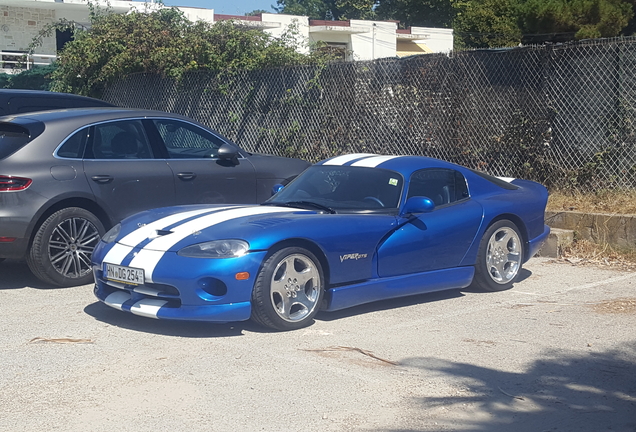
(127,275)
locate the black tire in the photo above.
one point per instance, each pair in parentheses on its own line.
(500,257)
(62,247)
(282,299)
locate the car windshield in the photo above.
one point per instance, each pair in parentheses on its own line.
(343,188)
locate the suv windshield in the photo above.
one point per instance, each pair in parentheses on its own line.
(12,138)
(344,188)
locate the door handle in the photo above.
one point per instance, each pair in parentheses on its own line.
(187,176)
(103,179)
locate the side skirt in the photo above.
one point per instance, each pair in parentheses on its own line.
(398,286)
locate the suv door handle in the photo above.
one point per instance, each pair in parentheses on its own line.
(103,179)
(187,176)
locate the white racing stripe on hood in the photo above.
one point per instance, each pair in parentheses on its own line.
(507,179)
(341,160)
(124,246)
(147,231)
(373,162)
(117,254)
(149,256)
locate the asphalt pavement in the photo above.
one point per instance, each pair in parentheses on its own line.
(555,353)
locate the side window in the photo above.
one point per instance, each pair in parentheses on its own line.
(119,140)
(184,140)
(443,186)
(73,147)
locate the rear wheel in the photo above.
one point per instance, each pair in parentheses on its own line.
(500,257)
(63,246)
(288,290)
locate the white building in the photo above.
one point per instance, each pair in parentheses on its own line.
(22,20)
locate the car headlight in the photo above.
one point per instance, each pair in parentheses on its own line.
(112,234)
(216,249)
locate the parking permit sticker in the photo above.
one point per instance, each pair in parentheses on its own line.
(393,182)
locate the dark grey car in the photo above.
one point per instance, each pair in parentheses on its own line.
(15,101)
(66,176)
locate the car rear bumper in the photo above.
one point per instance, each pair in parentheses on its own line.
(535,244)
(15,249)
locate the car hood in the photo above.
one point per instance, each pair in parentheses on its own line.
(171,228)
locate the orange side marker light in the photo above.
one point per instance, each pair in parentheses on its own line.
(242,276)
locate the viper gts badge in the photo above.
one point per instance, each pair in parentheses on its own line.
(353,256)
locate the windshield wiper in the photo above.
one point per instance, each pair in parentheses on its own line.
(302,204)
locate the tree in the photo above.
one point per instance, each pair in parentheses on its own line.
(486,23)
(166,43)
(257,12)
(500,23)
(328,9)
(582,19)
(424,13)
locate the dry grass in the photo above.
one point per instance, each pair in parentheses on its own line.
(584,252)
(603,201)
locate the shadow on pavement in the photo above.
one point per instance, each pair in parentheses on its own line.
(16,275)
(389,304)
(562,391)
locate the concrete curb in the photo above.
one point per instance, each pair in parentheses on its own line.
(616,230)
(556,241)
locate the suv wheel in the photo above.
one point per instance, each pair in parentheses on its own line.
(63,245)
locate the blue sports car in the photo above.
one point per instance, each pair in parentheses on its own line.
(349,230)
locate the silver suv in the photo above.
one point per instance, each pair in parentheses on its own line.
(66,176)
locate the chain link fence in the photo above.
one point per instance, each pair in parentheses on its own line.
(563,115)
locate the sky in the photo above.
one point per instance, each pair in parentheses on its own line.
(228,7)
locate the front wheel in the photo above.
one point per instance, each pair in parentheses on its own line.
(63,245)
(288,290)
(500,257)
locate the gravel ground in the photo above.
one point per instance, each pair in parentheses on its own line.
(555,353)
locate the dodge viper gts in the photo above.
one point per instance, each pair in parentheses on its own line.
(349,230)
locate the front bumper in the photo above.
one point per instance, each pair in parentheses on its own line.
(189,289)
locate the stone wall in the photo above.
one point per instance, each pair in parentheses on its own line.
(18,27)
(615,230)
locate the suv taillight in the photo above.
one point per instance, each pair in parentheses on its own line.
(10,184)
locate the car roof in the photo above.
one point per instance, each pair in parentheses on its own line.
(76,117)
(44,93)
(405,165)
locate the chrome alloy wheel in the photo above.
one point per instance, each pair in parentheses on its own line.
(71,246)
(503,256)
(295,287)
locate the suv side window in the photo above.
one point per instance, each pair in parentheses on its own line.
(443,186)
(186,141)
(73,147)
(119,140)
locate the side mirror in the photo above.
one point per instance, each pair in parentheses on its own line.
(418,204)
(277,188)
(228,153)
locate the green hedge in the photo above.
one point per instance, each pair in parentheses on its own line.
(38,78)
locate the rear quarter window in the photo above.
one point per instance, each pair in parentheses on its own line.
(12,139)
(495,180)
(73,147)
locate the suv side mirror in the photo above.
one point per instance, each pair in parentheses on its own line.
(228,153)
